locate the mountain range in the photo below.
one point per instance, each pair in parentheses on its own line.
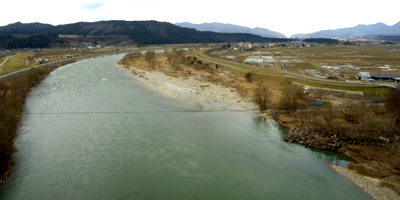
(230,28)
(140,32)
(357,31)
(20,35)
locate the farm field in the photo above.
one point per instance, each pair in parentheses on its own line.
(349,60)
(322,62)
(278,81)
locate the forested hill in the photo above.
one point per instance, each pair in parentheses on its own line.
(33,41)
(141,32)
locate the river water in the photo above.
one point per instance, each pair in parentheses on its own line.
(91,131)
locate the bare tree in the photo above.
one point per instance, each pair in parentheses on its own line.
(392,102)
(320,93)
(292,94)
(262,97)
(328,114)
(302,113)
(350,112)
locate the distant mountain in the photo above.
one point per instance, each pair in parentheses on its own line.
(141,32)
(357,31)
(21,28)
(230,28)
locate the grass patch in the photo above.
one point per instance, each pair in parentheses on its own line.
(367,171)
(69,36)
(22,56)
(295,71)
(12,65)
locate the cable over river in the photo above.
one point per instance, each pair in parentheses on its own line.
(91,131)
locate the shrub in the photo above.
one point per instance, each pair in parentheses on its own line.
(248,76)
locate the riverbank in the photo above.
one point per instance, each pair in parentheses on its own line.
(195,89)
(371,186)
(194,85)
(376,187)
(13,92)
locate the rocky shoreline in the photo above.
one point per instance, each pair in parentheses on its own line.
(322,139)
(312,137)
(369,185)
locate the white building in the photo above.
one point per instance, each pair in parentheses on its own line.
(363,75)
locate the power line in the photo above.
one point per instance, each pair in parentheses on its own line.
(126,112)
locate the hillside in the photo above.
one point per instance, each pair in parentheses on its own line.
(357,31)
(140,32)
(230,28)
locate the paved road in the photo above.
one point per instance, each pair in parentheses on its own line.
(6,60)
(222,62)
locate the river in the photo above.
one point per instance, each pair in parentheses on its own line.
(91,131)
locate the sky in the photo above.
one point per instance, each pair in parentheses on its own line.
(287,16)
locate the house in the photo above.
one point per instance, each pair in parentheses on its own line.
(363,75)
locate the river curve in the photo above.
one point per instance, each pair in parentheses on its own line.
(91,131)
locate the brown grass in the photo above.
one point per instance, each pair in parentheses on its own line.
(394,185)
(368,171)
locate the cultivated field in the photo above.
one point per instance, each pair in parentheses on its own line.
(322,62)
(347,61)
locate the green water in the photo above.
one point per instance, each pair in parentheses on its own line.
(90,131)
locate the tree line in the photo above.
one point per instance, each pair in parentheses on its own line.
(33,41)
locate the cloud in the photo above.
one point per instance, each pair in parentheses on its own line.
(92,5)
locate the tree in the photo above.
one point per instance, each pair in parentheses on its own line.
(292,94)
(320,93)
(248,76)
(392,102)
(262,97)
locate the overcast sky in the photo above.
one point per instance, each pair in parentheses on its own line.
(287,17)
